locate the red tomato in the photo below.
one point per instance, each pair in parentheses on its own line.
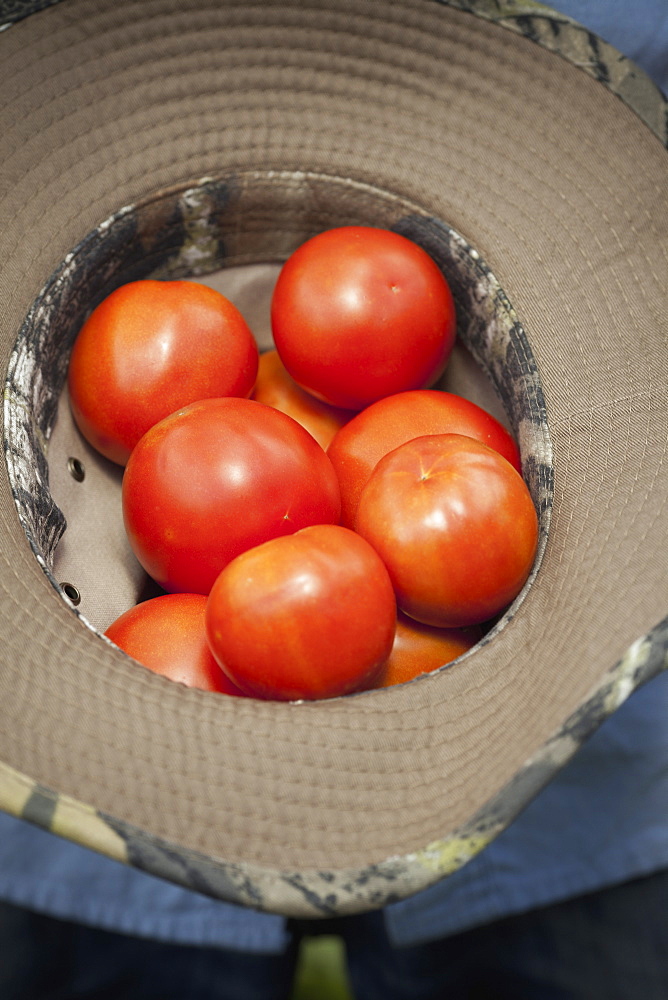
(359,313)
(216,478)
(276,388)
(358,447)
(419,649)
(455,525)
(167,634)
(150,348)
(309,616)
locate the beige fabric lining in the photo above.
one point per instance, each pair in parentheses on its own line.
(562,190)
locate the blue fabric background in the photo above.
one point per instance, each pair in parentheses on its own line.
(638,28)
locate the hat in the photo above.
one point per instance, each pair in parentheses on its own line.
(146,138)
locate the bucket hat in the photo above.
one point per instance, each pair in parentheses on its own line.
(148,138)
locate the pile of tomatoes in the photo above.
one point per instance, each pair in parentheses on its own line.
(319,519)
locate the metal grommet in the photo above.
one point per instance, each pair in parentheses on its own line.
(71,593)
(76,469)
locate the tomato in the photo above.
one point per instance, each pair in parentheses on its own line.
(419,649)
(276,388)
(216,478)
(150,348)
(359,313)
(167,634)
(455,525)
(311,615)
(358,447)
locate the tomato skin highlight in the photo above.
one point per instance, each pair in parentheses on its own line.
(216,478)
(455,525)
(275,387)
(150,348)
(306,616)
(359,313)
(356,449)
(167,635)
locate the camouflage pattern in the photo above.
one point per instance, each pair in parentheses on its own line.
(561,34)
(12,11)
(195,230)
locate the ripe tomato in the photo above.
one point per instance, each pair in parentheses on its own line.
(149,348)
(167,634)
(216,478)
(309,616)
(358,447)
(455,525)
(419,649)
(359,313)
(276,388)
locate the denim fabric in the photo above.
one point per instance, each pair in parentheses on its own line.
(611,945)
(42,958)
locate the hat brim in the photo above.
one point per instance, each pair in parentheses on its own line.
(243,129)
